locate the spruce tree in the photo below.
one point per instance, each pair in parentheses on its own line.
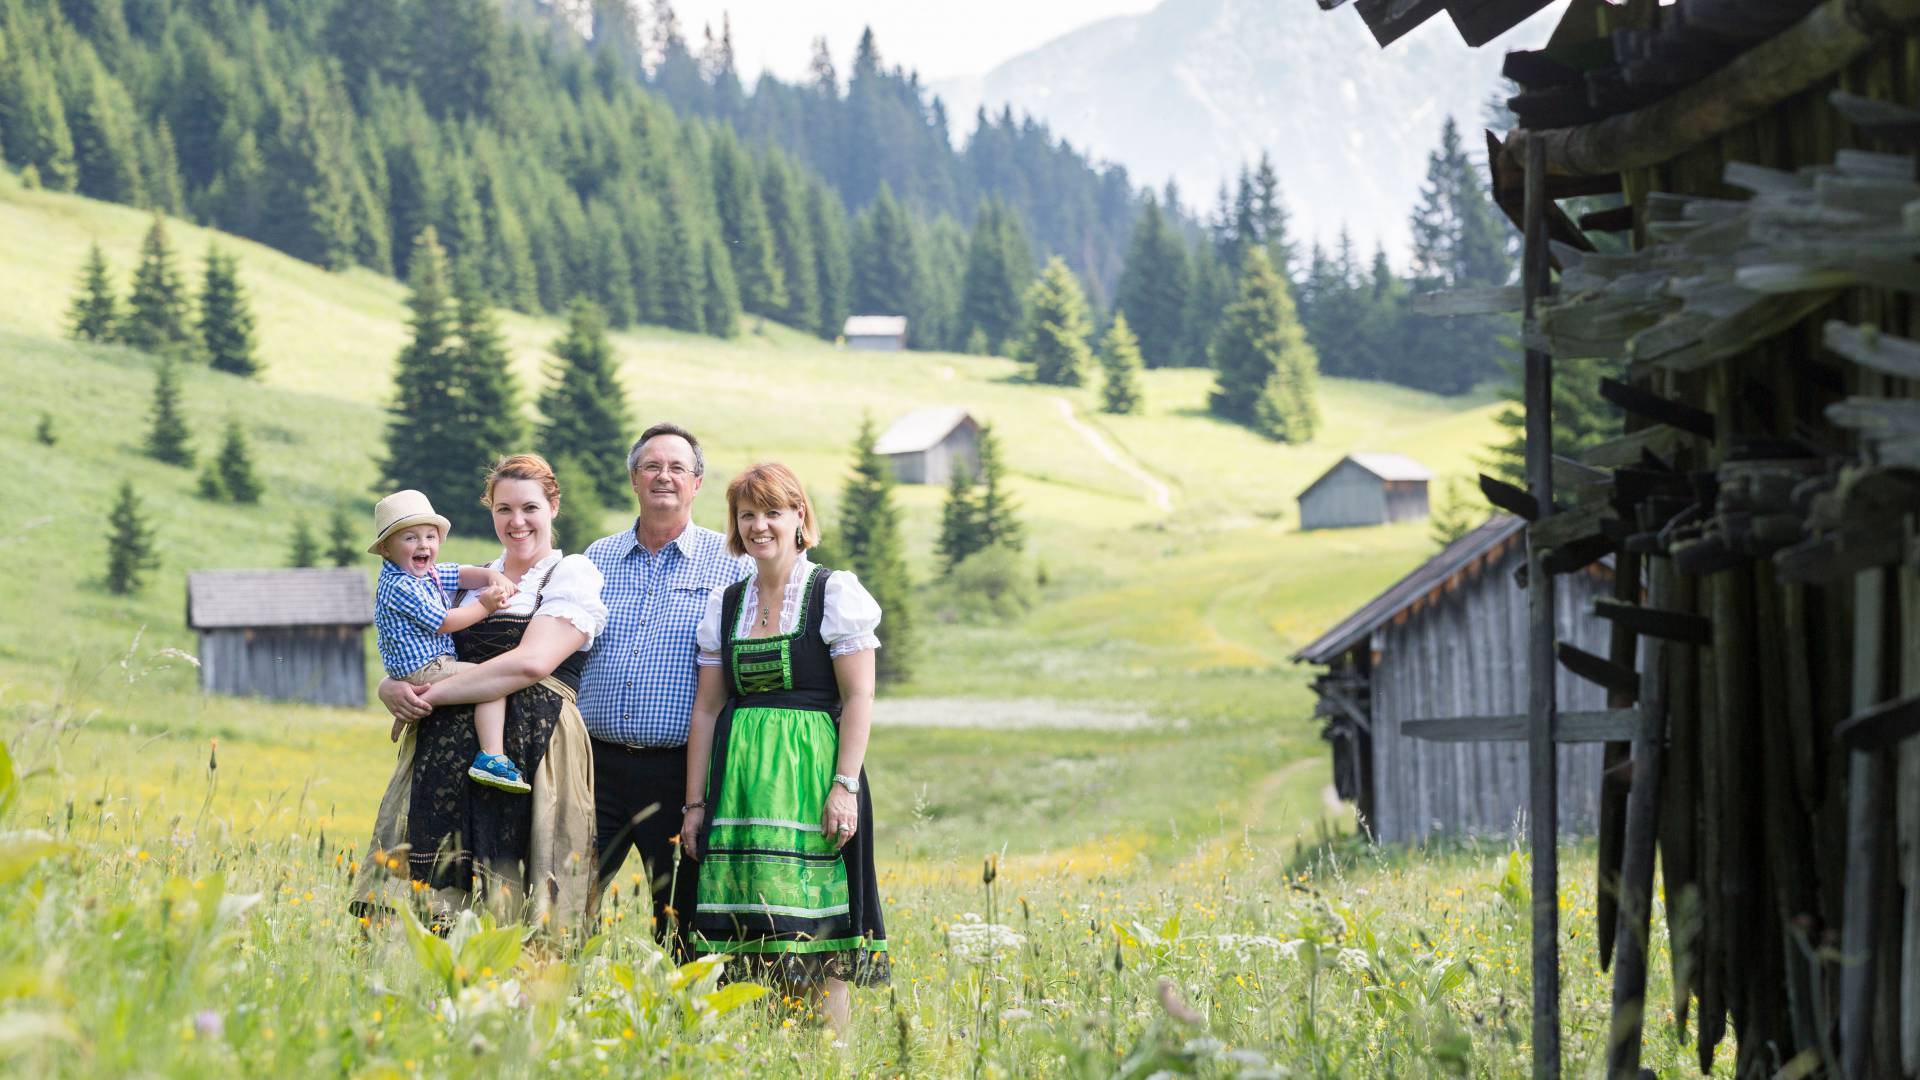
(342,546)
(584,407)
(886,264)
(1057,327)
(720,300)
(483,406)
(35,133)
(998,265)
(156,315)
(871,544)
(833,263)
(582,514)
(106,150)
(95,312)
(794,244)
(226,321)
(130,547)
(998,525)
(1264,366)
(744,229)
(167,437)
(304,550)
(238,480)
(424,448)
(1457,512)
(43,432)
(1154,287)
(959,520)
(1120,359)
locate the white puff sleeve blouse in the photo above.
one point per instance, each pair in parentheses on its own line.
(572,593)
(847,624)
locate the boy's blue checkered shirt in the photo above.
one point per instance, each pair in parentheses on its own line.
(640,677)
(408,611)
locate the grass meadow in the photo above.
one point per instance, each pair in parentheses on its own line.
(1174,895)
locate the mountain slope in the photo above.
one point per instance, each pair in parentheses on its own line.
(1194,88)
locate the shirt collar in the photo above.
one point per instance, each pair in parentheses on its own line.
(389,568)
(686,541)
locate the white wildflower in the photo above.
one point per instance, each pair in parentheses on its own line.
(971,938)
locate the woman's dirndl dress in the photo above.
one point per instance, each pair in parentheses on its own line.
(772,888)
(524,856)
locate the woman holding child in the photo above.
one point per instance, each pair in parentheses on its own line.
(777,806)
(512,828)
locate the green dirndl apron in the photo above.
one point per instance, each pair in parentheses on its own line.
(772,887)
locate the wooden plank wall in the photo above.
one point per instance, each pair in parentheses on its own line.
(1466,655)
(322,665)
(1352,496)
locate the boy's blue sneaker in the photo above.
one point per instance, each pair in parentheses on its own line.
(497,771)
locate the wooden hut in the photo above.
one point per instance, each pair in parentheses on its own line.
(1447,641)
(1757,298)
(294,635)
(1366,489)
(926,445)
(875,333)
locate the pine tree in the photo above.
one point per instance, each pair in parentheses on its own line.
(720,301)
(342,550)
(1154,287)
(1270,219)
(35,132)
(130,546)
(167,437)
(238,480)
(304,549)
(483,407)
(105,148)
(870,542)
(998,525)
(95,312)
(1263,363)
(226,320)
(585,407)
(960,534)
(1581,417)
(1057,327)
(157,309)
(582,514)
(1120,359)
(43,432)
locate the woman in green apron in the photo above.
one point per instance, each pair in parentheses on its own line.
(777,806)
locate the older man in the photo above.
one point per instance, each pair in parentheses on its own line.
(636,695)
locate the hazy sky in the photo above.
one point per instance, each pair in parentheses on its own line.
(938,40)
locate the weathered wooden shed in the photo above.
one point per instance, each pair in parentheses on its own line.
(1366,489)
(1758,303)
(926,445)
(1447,641)
(294,635)
(876,333)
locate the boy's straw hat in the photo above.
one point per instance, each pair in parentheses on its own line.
(399,510)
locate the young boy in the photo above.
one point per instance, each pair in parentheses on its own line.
(410,610)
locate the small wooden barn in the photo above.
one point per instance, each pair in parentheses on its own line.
(1447,641)
(876,333)
(1366,489)
(926,445)
(293,635)
(1753,288)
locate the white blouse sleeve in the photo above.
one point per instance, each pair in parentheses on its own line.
(573,594)
(707,634)
(851,616)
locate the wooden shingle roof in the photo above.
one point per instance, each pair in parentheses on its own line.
(330,596)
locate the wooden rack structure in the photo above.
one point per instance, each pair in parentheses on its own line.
(1761,507)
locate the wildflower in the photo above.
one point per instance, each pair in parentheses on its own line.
(209,1024)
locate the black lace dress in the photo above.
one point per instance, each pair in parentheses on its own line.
(462,835)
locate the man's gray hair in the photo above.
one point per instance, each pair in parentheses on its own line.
(666,428)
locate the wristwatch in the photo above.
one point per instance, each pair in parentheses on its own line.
(851,783)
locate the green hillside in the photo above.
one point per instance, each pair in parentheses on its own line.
(1188,613)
